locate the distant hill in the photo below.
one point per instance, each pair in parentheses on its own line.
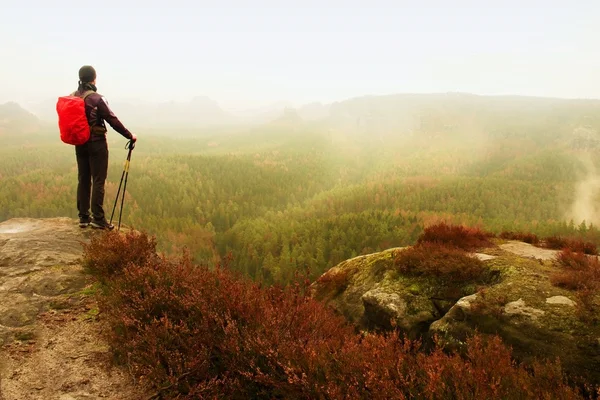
(466,114)
(390,116)
(457,116)
(314,111)
(199,112)
(288,118)
(15,119)
(262,114)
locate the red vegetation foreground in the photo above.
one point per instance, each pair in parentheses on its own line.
(581,273)
(466,238)
(192,332)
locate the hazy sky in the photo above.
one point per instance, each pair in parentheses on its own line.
(244,53)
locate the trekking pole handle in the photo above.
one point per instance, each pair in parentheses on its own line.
(128,160)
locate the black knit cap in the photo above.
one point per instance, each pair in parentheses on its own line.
(87,74)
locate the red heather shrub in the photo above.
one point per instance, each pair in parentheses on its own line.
(578,272)
(196,333)
(388,367)
(581,273)
(586,247)
(523,237)
(572,261)
(555,242)
(432,259)
(576,245)
(466,238)
(110,252)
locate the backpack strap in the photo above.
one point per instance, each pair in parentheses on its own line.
(84,95)
(87,93)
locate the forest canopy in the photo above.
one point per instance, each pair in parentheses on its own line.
(296,194)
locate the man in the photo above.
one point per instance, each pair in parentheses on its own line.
(92,156)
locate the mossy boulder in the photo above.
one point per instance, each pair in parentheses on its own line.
(370,292)
(518,302)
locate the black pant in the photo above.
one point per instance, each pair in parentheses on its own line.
(92,165)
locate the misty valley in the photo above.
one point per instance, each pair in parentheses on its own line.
(403,246)
(305,192)
(314,200)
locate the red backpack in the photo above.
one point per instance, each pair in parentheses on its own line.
(72,122)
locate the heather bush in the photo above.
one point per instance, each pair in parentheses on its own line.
(523,237)
(192,332)
(581,273)
(555,242)
(575,245)
(578,271)
(110,252)
(447,263)
(466,238)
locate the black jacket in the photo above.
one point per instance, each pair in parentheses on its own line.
(97,112)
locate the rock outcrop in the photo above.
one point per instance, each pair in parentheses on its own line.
(38,263)
(370,292)
(50,342)
(534,317)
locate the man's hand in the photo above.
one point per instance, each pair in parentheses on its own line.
(132,141)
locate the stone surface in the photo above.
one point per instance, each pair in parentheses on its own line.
(50,347)
(561,300)
(38,261)
(519,308)
(484,257)
(408,312)
(530,251)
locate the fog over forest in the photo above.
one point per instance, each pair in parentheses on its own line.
(322,199)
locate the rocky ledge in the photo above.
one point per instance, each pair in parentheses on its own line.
(51,345)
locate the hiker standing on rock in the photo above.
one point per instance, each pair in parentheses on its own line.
(92,156)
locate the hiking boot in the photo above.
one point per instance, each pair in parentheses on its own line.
(102,225)
(84,222)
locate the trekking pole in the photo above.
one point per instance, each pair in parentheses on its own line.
(130,145)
